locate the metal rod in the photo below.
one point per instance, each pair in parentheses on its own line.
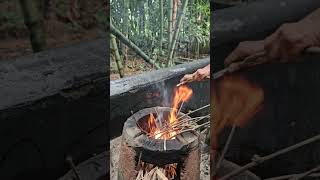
(174,127)
(225,149)
(180,108)
(313,175)
(193,111)
(258,160)
(302,175)
(73,167)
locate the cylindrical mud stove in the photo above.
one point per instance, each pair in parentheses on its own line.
(136,146)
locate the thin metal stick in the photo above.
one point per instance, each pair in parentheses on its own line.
(190,119)
(181,123)
(225,149)
(180,107)
(174,127)
(314,175)
(73,167)
(258,160)
(155,109)
(192,129)
(193,111)
(302,175)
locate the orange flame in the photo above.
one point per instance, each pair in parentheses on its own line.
(153,129)
(182,94)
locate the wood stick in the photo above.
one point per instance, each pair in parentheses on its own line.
(161,175)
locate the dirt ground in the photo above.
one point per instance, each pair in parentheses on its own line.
(133,66)
(15,47)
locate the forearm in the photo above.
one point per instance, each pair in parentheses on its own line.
(312,23)
(314,17)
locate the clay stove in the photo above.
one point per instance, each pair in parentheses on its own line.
(178,156)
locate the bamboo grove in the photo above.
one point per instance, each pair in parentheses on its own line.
(161,32)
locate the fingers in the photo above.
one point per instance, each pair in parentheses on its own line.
(286,43)
(199,75)
(186,78)
(236,55)
(243,50)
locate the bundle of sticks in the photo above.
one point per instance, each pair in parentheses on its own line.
(152,172)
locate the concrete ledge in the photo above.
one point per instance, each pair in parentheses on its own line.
(33,77)
(52,104)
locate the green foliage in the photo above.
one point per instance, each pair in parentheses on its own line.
(198,24)
(144,24)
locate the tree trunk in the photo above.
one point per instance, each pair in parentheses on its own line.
(170,22)
(126,41)
(174,13)
(176,33)
(161,27)
(125,29)
(140,17)
(44,7)
(35,22)
(114,50)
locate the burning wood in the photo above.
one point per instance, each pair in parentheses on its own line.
(152,172)
(160,128)
(157,125)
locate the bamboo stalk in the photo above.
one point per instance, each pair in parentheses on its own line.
(161,26)
(176,33)
(114,49)
(34,20)
(170,31)
(130,44)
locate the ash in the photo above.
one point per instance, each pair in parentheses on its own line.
(114,149)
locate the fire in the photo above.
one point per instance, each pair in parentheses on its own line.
(181,95)
(236,100)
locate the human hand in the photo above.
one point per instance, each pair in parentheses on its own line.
(243,50)
(290,40)
(199,75)
(283,46)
